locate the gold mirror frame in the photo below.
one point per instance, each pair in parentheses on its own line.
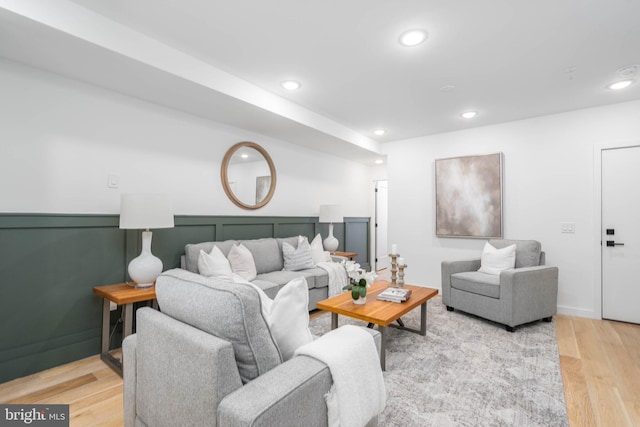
(225,179)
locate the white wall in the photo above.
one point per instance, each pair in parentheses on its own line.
(550,177)
(60,139)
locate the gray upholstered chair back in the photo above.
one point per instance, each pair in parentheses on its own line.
(528,252)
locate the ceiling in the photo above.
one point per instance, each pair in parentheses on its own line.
(225,60)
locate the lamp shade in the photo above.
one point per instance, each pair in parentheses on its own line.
(145,211)
(330,213)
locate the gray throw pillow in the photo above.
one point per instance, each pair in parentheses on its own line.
(300,258)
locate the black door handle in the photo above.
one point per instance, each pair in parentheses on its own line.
(612,243)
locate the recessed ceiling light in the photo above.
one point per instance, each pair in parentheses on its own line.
(379,162)
(413,37)
(469,114)
(628,71)
(244,155)
(290,85)
(447,88)
(379,132)
(620,85)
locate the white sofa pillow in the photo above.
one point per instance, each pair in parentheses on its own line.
(287,315)
(299,258)
(214,263)
(242,262)
(318,253)
(494,260)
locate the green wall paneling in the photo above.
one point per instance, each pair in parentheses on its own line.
(49,264)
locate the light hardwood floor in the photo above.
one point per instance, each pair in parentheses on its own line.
(599,360)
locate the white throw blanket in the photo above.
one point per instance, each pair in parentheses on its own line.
(337,277)
(358,385)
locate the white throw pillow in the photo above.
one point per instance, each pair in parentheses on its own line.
(494,260)
(214,264)
(287,315)
(299,258)
(317,250)
(242,262)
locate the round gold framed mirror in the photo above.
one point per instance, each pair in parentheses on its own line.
(248,175)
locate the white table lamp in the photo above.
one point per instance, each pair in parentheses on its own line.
(330,214)
(142,212)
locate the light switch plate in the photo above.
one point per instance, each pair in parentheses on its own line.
(113,181)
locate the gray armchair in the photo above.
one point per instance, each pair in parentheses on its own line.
(527,293)
(208,359)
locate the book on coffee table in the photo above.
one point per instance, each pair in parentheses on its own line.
(394,295)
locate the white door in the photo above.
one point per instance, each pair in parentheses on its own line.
(382,249)
(621,234)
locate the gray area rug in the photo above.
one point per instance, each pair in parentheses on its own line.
(468,371)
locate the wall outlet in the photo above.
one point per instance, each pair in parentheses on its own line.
(567,227)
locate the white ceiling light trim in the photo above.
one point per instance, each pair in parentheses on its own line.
(622,84)
(379,132)
(413,37)
(290,85)
(469,114)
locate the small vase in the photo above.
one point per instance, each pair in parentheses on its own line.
(360,301)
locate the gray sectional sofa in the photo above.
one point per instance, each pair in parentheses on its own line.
(267,254)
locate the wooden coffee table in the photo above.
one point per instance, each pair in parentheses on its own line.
(381,313)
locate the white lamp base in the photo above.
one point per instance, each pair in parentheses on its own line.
(145,268)
(330,243)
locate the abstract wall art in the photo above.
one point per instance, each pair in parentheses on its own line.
(469,196)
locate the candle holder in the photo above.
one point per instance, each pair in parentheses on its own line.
(394,269)
(401,275)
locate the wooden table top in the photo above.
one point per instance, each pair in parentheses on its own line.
(123,293)
(375,311)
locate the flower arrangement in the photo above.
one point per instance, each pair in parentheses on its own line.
(359,279)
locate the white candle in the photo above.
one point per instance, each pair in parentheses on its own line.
(394,249)
(400,261)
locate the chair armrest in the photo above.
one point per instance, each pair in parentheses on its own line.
(291,394)
(529,293)
(452,267)
(181,373)
(129,379)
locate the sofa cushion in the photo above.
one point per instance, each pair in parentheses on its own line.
(477,283)
(227,310)
(527,251)
(494,260)
(242,262)
(282,277)
(213,264)
(296,259)
(288,316)
(269,288)
(266,254)
(192,252)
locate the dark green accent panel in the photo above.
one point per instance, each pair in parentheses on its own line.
(49,264)
(357,240)
(245,231)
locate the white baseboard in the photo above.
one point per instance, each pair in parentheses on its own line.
(578,312)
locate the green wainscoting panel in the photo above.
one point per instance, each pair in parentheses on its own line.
(49,264)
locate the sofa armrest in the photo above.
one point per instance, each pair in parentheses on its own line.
(291,394)
(529,293)
(452,267)
(339,258)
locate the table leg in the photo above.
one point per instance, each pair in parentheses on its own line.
(127,319)
(383,347)
(423,319)
(334,320)
(106,317)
